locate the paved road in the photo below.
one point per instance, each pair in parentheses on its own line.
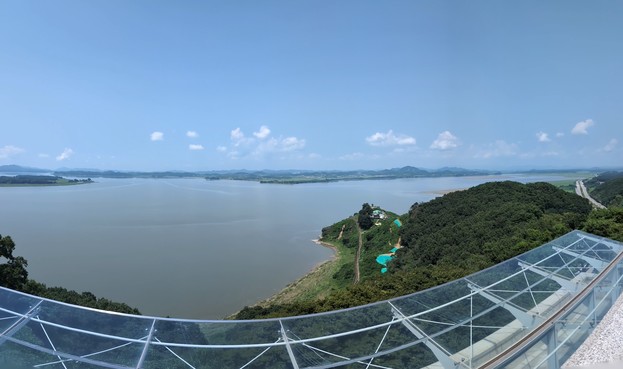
(581,190)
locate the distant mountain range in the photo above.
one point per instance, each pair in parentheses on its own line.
(276,176)
(263,176)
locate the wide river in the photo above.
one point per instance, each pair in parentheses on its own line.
(192,248)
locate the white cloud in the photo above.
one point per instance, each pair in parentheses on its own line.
(292,143)
(157,136)
(195,147)
(611,145)
(260,144)
(542,137)
(498,148)
(279,145)
(559,134)
(581,128)
(389,139)
(262,133)
(445,141)
(42,155)
(236,134)
(192,134)
(66,154)
(9,150)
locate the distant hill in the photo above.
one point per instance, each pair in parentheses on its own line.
(294,177)
(283,176)
(20,169)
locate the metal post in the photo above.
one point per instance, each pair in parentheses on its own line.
(285,338)
(147,342)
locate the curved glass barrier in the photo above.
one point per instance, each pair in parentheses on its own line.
(466,323)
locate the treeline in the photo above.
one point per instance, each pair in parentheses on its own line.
(607,188)
(39,180)
(451,237)
(14,275)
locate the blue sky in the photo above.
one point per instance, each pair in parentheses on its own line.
(202,85)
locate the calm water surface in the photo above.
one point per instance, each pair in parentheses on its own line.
(188,247)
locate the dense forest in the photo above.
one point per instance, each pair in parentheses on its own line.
(448,238)
(607,188)
(39,180)
(14,275)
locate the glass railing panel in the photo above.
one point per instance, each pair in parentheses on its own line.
(80,344)
(529,357)
(338,322)
(102,322)
(355,345)
(170,357)
(16,356)
(217,332)
(496,275)
(16,302)
(411,357)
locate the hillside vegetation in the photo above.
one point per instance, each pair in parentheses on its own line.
(607,188)
(442,240)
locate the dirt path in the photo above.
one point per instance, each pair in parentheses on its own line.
(358,254)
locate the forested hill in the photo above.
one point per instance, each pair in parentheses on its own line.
(487,224)
(447,238)
(607,188)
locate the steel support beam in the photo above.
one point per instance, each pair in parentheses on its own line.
(595,263)
(21,322)
(439,352)
(563,282)
(526,319)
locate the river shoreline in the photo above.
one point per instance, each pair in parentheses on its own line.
(296,289)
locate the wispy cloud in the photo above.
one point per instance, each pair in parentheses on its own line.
(611,145)
(389,139)
(195,147)
(280,145)
(262,133)
(496,149)
(192,134)
(559,134)
(581,128)
(66,154)
(237,137)
(221,148)
(445,141)
(156,136)
(9,150)
(542,137)
(352,156)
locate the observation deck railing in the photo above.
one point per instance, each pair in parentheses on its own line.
(531,311)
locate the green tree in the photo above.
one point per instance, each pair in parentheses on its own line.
(13,272)
(365,216)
